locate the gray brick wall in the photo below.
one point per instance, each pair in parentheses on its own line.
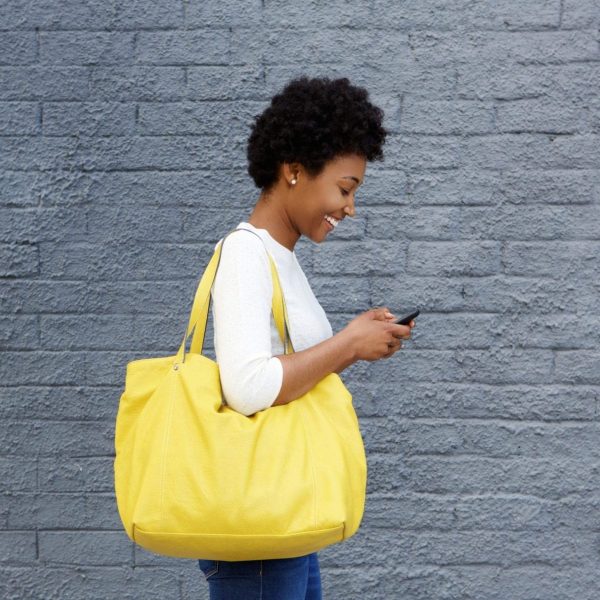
(122,161)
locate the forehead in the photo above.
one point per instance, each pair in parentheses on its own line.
(352,166)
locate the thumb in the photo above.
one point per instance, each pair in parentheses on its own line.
(382,313)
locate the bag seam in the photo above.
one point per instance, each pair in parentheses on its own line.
(164,451)
(312,465)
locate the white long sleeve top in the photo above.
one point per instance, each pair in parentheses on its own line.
(246,339)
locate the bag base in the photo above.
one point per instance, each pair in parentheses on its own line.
(237,547)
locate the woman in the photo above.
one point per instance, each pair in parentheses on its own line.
(307,153)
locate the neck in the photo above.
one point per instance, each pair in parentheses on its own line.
(271,216)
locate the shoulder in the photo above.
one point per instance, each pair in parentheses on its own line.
(243,246)
(244,264)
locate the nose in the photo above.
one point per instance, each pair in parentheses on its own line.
(349,210)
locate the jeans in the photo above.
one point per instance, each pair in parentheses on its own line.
(296,578)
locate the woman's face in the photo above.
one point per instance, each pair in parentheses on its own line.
(331,193)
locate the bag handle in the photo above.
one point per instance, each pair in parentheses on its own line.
(278,300)
(202,299)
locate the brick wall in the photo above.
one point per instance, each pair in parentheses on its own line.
(122,161)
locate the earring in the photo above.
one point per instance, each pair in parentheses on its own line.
(293,182)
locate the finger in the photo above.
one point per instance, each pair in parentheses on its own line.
(394,348)
(403,331)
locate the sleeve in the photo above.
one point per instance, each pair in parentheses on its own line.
(251,377)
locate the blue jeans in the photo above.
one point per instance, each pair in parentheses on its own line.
(296,578)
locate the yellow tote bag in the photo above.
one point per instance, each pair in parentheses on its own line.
(196,479)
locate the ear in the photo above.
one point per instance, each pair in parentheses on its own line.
(291,170)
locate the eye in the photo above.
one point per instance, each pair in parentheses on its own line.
(344,192)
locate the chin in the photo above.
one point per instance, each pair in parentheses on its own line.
(314,239)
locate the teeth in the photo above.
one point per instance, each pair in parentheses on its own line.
(331,220)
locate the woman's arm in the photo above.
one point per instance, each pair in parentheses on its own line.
(304,369)
(250,375)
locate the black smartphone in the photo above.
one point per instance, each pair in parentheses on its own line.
(406,318)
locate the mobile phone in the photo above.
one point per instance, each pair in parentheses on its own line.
(406,318)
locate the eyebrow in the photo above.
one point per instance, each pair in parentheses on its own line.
(351,177)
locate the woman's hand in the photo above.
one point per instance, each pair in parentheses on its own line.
(374,335)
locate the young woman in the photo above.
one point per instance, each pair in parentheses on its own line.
(307,154)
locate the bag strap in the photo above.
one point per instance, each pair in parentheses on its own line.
(277,301)
(202,299)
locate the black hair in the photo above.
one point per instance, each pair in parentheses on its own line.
(311,121)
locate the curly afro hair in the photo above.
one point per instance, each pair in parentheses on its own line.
(311,121)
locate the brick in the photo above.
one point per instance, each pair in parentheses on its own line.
(422,152)
(543,186)
(446,117)
(391,435)
(57,438)
(424,223)
(402,75)
(18,332)
(541,114)
(513,16)
(148,83)
(18,474)
(38,367)
(19,118)
(385,257)
(18,225)
(313,45)
(89,118)
(66,402)
(503,79)
(226,14)
(549,258)
(510,151)
(84,547)
(449,16)
(92,582)
(29,14)
(456,186)
(183,47)
(453,258)
(232,82)
(201,118)
(467,400)
(531,222)
(18,260)
(540,47)
(95,474)
(17,47)
(577,366)
(546,477)
(137,14)
(278,14)
(17,547)
(201,189)
(580,14)
(117,223)
(37,82)
(86,47)
(82,260)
